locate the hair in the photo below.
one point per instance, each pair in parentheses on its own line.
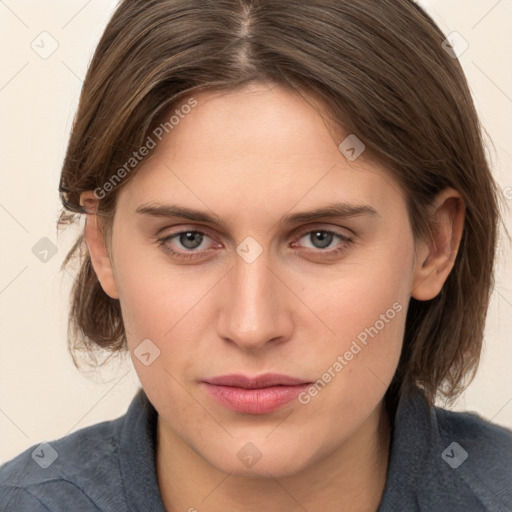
(380,69)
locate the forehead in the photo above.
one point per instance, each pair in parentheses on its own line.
(261,147)
(255,117)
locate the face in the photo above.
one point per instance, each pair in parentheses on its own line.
(250,289)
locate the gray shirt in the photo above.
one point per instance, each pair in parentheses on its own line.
(441,461)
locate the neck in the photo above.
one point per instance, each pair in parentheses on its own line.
(352,477)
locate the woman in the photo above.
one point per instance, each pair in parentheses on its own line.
(291,226)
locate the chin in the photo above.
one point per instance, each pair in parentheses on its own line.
(259,460)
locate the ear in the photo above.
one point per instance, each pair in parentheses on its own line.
(435,258)
(97,247)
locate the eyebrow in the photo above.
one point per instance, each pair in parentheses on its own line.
(331,211)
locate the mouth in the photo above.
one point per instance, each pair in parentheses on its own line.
(254,395)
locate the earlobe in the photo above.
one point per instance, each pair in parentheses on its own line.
(435,257)
(97,247)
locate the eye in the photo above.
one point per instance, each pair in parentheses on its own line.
(320,239)
(191,239)
(187,242)
(321,242)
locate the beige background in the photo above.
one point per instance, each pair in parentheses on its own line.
(43,396)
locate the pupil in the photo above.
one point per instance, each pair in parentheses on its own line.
(325,239)
(187,239)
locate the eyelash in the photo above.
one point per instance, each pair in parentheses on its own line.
(162,242)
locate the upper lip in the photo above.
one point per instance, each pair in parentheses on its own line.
(260,381)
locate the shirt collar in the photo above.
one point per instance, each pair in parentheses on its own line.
(137,455)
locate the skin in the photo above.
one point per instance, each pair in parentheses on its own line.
(251,157)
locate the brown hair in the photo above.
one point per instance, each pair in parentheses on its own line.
(380,68)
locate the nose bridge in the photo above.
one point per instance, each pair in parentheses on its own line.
(254,311)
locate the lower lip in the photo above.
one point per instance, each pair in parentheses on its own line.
(255,401)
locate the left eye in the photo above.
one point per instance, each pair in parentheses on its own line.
(321,238)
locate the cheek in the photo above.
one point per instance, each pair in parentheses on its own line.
(373,287)
(154,295)
(168,305)
(366,308)
(161,307)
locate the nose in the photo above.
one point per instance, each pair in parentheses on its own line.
(255,309)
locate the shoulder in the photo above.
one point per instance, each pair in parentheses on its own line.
(64,474)
(491,443)
(476,457)
(446,460)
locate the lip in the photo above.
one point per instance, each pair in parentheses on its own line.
(254,395)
